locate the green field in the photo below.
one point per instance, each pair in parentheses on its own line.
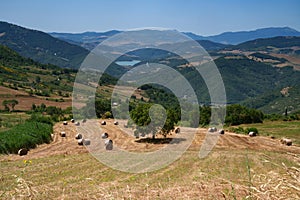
(26,135)
(278,129)
(8,120)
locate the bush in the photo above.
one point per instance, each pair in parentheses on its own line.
(251,129)
(237,130)
(37,117)
(241,130)
(26,135)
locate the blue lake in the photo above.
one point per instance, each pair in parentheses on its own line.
(128,63)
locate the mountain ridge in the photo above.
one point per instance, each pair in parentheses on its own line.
(40,46)
(246,81)
(229,37)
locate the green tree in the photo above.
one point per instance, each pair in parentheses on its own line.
(101,106)
(33,107)
(160,121)
(237,114)
(205,114)
(5,104)
(12,103)
(37,79)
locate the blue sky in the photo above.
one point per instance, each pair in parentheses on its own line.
(207,17)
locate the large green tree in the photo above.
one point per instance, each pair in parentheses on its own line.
(153,119)
(237,114)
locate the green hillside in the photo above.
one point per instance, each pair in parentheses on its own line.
(40,46)
(266,43)
(243,78)
(252,81)
(25,74)
(277,101)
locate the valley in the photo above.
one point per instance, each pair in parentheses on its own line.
(260,70)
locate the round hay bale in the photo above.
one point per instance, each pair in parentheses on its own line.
(77,123)
(86,142)
(286,141)
(103,123)
(252,134)
(80,141)
(177,130)
(222,132)
(104,135)
(108,144)
(22,152)
(65,123)
(116,123)
(212,129)
(63,134)
(73,120)
(78,136)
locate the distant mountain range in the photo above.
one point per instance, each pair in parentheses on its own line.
(90,39)
(69,49)
(243,36)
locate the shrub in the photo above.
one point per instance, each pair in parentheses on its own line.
(251,129)
(37,117)
(241,130)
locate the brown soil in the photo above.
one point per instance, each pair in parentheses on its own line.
(26,101)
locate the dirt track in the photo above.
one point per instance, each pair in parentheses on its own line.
(68,145)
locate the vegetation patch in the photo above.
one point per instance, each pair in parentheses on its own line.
(242,130)
(276,129)
(27,135)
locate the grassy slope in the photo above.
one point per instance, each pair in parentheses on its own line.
(41,47)
(227,173)
(224,174)
(9,120)
(278,129)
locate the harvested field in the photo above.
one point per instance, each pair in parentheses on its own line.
(239,167)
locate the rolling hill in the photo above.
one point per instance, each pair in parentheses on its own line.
(244,78)
(277,101)
(40,46)
(279,51)
(248,73)
(31,82)
(267,44)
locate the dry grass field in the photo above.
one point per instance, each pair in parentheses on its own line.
(239,167)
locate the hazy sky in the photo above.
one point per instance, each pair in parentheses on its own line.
(206,17)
